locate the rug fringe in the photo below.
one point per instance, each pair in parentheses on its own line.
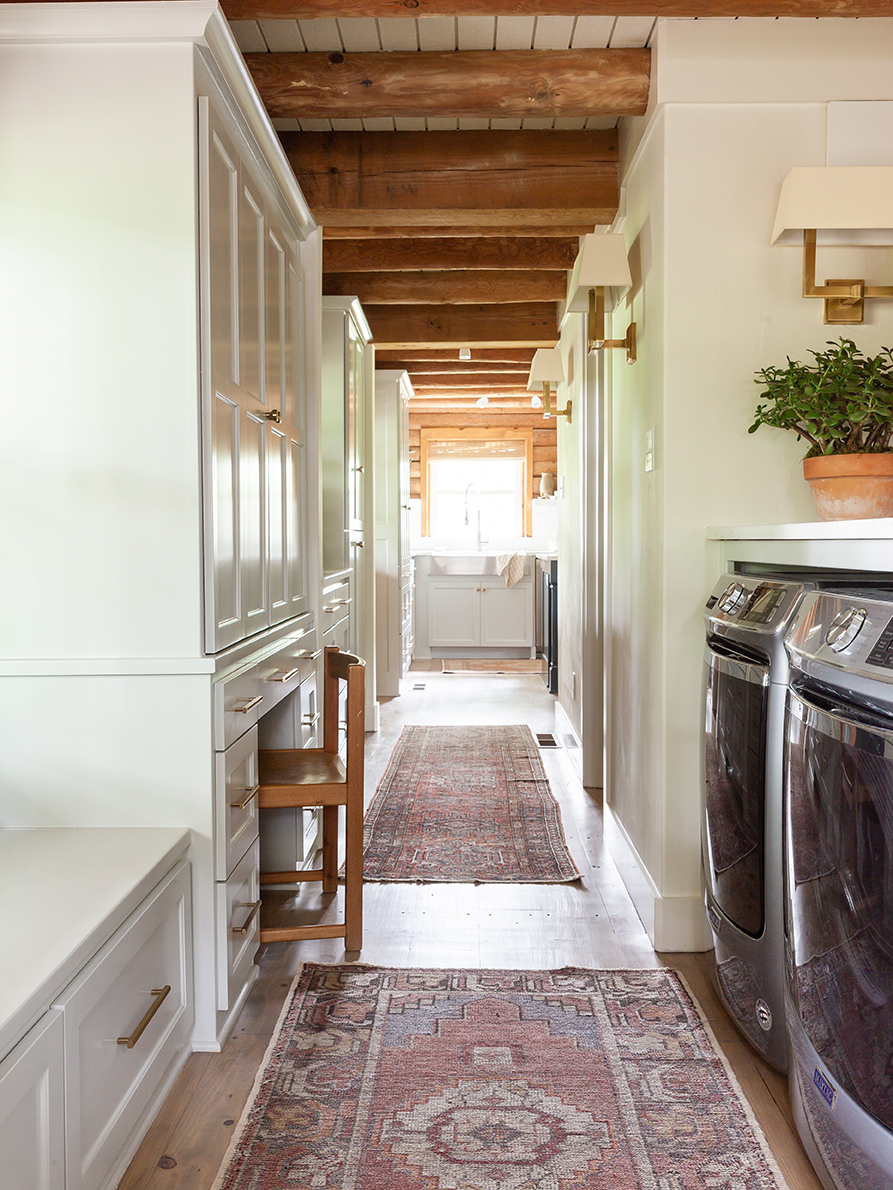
(259,1077)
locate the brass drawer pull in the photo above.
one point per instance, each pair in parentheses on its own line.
(249,705)
(249,795)
(306,655)
(160,995)
(253,906)
(286,677)
(310,720)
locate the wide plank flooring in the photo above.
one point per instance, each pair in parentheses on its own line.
(589,924)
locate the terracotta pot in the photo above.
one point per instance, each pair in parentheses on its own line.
(851,487)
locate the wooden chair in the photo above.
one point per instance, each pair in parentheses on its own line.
(318,777)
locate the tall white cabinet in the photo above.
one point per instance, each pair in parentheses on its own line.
(347,428)
(393,562)
(159,513)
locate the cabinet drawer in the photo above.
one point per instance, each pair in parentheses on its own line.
(238,703)
(117,1049)
(238,926)
(336,605)
(235,794)
(283,671)
(32,1113)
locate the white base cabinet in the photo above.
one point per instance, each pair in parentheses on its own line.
(479,614)
(127,1018)
(32,1114)
(96,1000)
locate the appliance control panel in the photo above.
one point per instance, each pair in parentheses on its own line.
(882,653)
(762,605)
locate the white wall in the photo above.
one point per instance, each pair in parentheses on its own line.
(714,301)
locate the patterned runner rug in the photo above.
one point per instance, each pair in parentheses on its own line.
(384,1079)
(511,665)
(462,804)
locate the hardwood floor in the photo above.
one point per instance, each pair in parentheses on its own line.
(589,924)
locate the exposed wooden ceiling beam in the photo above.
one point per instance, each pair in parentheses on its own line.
(519,392)
(396,232)
(423,382)
(416,179)
(483,84)
(448,355)
(532,324)
(355,256)
(452,287)
(429,368)
(250,10)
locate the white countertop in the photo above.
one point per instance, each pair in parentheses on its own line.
(878,529)
(63,893)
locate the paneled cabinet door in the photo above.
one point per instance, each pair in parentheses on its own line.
(506,615)
(32,1119)
(252,356)
(454,610)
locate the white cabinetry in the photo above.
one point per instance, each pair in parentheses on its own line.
(32,1113)
(347,461)
(393,563)
(96,1000)
(254,443)
(479,613)
(159,325)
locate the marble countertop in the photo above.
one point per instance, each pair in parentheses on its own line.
(63,893)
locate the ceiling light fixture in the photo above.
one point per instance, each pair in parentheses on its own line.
(851,206)
(464,353)
(601,264)
(546,369)
(482,401)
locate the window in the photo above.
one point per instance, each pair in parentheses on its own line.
(499,463)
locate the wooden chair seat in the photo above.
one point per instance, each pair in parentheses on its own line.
(319,777)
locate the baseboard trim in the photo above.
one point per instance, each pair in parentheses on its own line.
(571,740)
(673,923)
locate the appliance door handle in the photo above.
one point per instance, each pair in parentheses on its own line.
(839,720)
(732,667)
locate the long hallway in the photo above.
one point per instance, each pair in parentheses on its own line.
(590,923)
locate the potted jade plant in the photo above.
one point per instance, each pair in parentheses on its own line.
(842,405)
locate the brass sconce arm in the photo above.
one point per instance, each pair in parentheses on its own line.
(547,404)
(844,298)
(597,338)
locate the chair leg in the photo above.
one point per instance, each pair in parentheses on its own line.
(330,849)
(353,879)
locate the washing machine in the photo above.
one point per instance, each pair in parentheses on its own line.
(745,681)
(839,885)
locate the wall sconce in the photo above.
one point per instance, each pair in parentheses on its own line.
(850,205)
(547,369)
(601,263)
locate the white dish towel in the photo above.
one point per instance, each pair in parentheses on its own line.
(512,565)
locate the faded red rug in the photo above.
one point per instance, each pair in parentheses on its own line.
(463,804)
(384,1079)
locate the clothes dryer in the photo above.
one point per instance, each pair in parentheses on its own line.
(839,885)
(745,681)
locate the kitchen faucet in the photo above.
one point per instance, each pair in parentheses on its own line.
(477,532)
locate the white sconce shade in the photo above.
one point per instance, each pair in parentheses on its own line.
(852,204)
(602,260)
(837,199)
(546,367)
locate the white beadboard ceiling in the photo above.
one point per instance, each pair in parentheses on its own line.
(367,34)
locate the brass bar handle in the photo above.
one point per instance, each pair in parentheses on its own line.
(252,702)
(250,794)
(333,607)
(306,655)
(310,720)
(160,995)
(254,906)
(287,676)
